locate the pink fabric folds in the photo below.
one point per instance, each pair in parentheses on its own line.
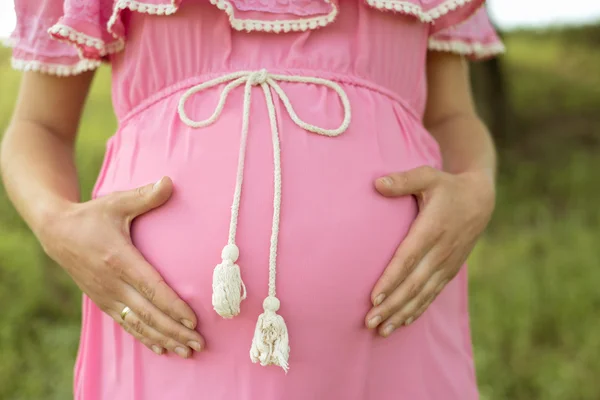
(95,27)
(475,38)
(34,49)
(65,37)
(92,30)
(440,13)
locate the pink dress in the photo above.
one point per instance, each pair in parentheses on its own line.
(314,100)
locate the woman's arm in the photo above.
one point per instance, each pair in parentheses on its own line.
(455,205)
(89,240)
(451,118)
(37,154)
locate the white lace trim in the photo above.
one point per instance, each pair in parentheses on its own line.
(478,50)
(413,9)
(55,69)
(113,47)
(70,35)
(300,24)
(157,9)
(49,68)
(75,36)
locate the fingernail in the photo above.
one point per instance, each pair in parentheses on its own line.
(386,181)
(181,352)
(379,299)
(188,324)
(195,345)
(409,321)
(157,184)
(373,322)
(388,330)
(157,350)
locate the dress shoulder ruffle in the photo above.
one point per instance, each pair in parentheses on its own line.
(66,37)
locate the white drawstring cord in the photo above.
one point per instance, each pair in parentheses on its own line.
(270,344)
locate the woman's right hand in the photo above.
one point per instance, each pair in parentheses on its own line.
(92,242)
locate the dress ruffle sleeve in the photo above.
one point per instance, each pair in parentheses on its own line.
(441,14)
(475,38)
(67,37)
(34,49)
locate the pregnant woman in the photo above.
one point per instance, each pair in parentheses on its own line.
(285,208)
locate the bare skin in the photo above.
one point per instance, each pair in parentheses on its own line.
(39,174)
(38,169)
(455,204)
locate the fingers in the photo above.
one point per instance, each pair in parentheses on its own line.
(132,203)
(151,338)
(414,308)
(142,339)
(408,290)
(409,296)
(142,276)
(412,298)
(161,324)
(409,255)
(129,264)
(408,182)
(428,302)
(158,315)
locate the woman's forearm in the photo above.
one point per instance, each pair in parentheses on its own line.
(450,117)
(466,144)
(38,171)
(37,152)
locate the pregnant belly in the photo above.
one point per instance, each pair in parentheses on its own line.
(336,234)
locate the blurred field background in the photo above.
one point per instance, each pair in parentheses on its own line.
(535,299)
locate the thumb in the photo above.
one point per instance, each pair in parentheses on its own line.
(408,182)
(145,198)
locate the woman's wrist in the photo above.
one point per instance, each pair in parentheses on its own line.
(482,175)
(481,183)
(47,215)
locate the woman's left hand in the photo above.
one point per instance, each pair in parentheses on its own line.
(454,209)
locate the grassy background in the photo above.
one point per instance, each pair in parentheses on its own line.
(535,300)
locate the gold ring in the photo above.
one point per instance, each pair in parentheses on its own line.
(124,313)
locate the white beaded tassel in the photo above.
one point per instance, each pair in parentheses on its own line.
(270,345)
(228,288)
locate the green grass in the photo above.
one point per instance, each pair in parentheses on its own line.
(533,278)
